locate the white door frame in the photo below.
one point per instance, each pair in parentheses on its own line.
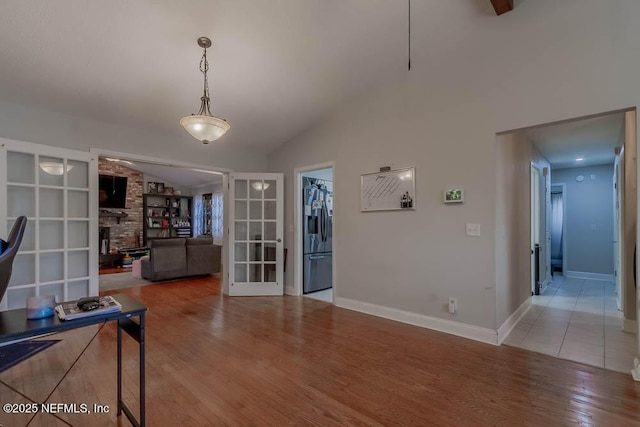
(534,213)
(547,227)
(563,187)
(618,198)
(297,226)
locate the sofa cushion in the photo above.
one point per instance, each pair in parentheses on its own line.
(196,241)
(161,243)
(200,256)
(168,260)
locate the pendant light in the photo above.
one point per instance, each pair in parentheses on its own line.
(204,126)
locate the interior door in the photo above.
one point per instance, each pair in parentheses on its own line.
(56,189)
(617,265)
(535,222)
(547,227)
(256,251)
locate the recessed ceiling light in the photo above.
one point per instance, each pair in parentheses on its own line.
(579,159)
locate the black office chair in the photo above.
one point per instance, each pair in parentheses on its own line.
(6,257)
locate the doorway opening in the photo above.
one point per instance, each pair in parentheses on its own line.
(143,200)
(579,238)
(315,213)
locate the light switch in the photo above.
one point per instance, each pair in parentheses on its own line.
(473,229)
(593,227)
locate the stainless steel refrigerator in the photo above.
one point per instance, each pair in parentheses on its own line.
(318,228)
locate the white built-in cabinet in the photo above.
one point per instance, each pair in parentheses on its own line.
(56,189)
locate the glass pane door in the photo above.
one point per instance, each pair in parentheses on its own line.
(256,253)
(51,187)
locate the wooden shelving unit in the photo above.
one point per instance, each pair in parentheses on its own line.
(166,216)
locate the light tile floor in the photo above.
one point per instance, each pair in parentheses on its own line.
(578,320)
(326,295)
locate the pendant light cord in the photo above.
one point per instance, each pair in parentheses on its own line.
(409,35)
(204,67)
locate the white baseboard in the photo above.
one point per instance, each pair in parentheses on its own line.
(505,329)
(544,285)
(589,276)
(630,326)
(635,372)
(452,327)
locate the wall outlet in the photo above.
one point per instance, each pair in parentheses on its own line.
(453,305)
(473,229)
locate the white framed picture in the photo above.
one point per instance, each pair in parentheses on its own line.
(455,195)
(388,190)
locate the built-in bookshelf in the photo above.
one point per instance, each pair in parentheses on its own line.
(166,216)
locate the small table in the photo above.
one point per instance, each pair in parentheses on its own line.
(114,260)
(14,325)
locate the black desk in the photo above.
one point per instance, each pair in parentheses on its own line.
(14,325)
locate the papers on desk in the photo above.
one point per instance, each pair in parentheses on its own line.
(71,311)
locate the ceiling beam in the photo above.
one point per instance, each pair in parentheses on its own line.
(502,6)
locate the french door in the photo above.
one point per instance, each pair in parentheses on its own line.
(55,189)
(256,251)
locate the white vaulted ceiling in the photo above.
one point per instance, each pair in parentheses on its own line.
(277,66)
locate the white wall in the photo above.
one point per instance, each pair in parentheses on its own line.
(545,61)
(45,127)
(588,204)
(513,260)
(514,155)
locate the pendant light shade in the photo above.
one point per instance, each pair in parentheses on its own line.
(204,126)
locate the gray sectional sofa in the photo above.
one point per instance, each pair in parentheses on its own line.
(181,257)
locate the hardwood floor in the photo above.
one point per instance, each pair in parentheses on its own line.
(114,270)
(214,360)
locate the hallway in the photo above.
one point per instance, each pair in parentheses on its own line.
(577,319)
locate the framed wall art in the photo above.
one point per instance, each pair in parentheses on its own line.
(388,190)
(455,195)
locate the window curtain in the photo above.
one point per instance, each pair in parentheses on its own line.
(556,226)
(216,218)
(197,215)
